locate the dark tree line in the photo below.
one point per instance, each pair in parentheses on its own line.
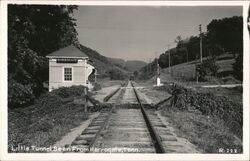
(33,32)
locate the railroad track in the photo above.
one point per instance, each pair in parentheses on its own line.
(128,127)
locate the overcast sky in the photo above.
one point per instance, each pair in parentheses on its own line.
(138,33)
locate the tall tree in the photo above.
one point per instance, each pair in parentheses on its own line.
(228,33)
(33,32)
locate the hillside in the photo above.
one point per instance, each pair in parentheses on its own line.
(186,72)
(134,65)
(101,63)
(117,61)
(131,65)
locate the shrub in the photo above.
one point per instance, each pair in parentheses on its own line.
(208,67)
(209,104)
(97,86)
(72,91)
(19,95)
(201,72)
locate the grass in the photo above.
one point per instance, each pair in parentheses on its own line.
(47,120)
(208,133)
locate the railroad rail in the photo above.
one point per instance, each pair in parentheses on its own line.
(127,125)
(157,142)
(88,137)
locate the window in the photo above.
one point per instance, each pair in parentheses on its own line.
(67,74)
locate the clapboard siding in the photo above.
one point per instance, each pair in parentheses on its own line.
(68,57)
(56,74)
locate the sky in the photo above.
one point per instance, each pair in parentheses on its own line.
(142,32)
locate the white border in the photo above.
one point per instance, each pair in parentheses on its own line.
(73,156)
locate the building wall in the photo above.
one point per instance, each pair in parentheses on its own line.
(56,74)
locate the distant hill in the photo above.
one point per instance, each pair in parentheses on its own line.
(118,62)
(134,65)
(102,63)
(131,65)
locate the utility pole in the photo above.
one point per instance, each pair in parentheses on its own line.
(200,29)
(157,64)
(169,68)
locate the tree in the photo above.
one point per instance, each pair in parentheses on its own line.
(228,33)
(178,41)
(164,60)
(238,67)
(215,50)
(193,48)
(33,32)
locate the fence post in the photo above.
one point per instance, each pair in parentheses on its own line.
(86,100)
(197,78)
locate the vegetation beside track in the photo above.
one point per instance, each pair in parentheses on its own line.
(48,119)
(208,133)
(208,118)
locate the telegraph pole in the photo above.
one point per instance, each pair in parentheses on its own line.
(157,65)
(169,69)
(200,29)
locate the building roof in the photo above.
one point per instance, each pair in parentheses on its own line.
(69,51)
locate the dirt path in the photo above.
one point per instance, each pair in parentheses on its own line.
(101,94)
(69,137)
(222,85)
(151,96)
(116,96)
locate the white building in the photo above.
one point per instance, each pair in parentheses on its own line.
(69,66)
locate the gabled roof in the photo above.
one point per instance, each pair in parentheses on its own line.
(69,51)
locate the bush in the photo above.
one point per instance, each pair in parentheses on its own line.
(209,104)
(19,95)
(97,86)
(207,67)
(201,72)
(72,91)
